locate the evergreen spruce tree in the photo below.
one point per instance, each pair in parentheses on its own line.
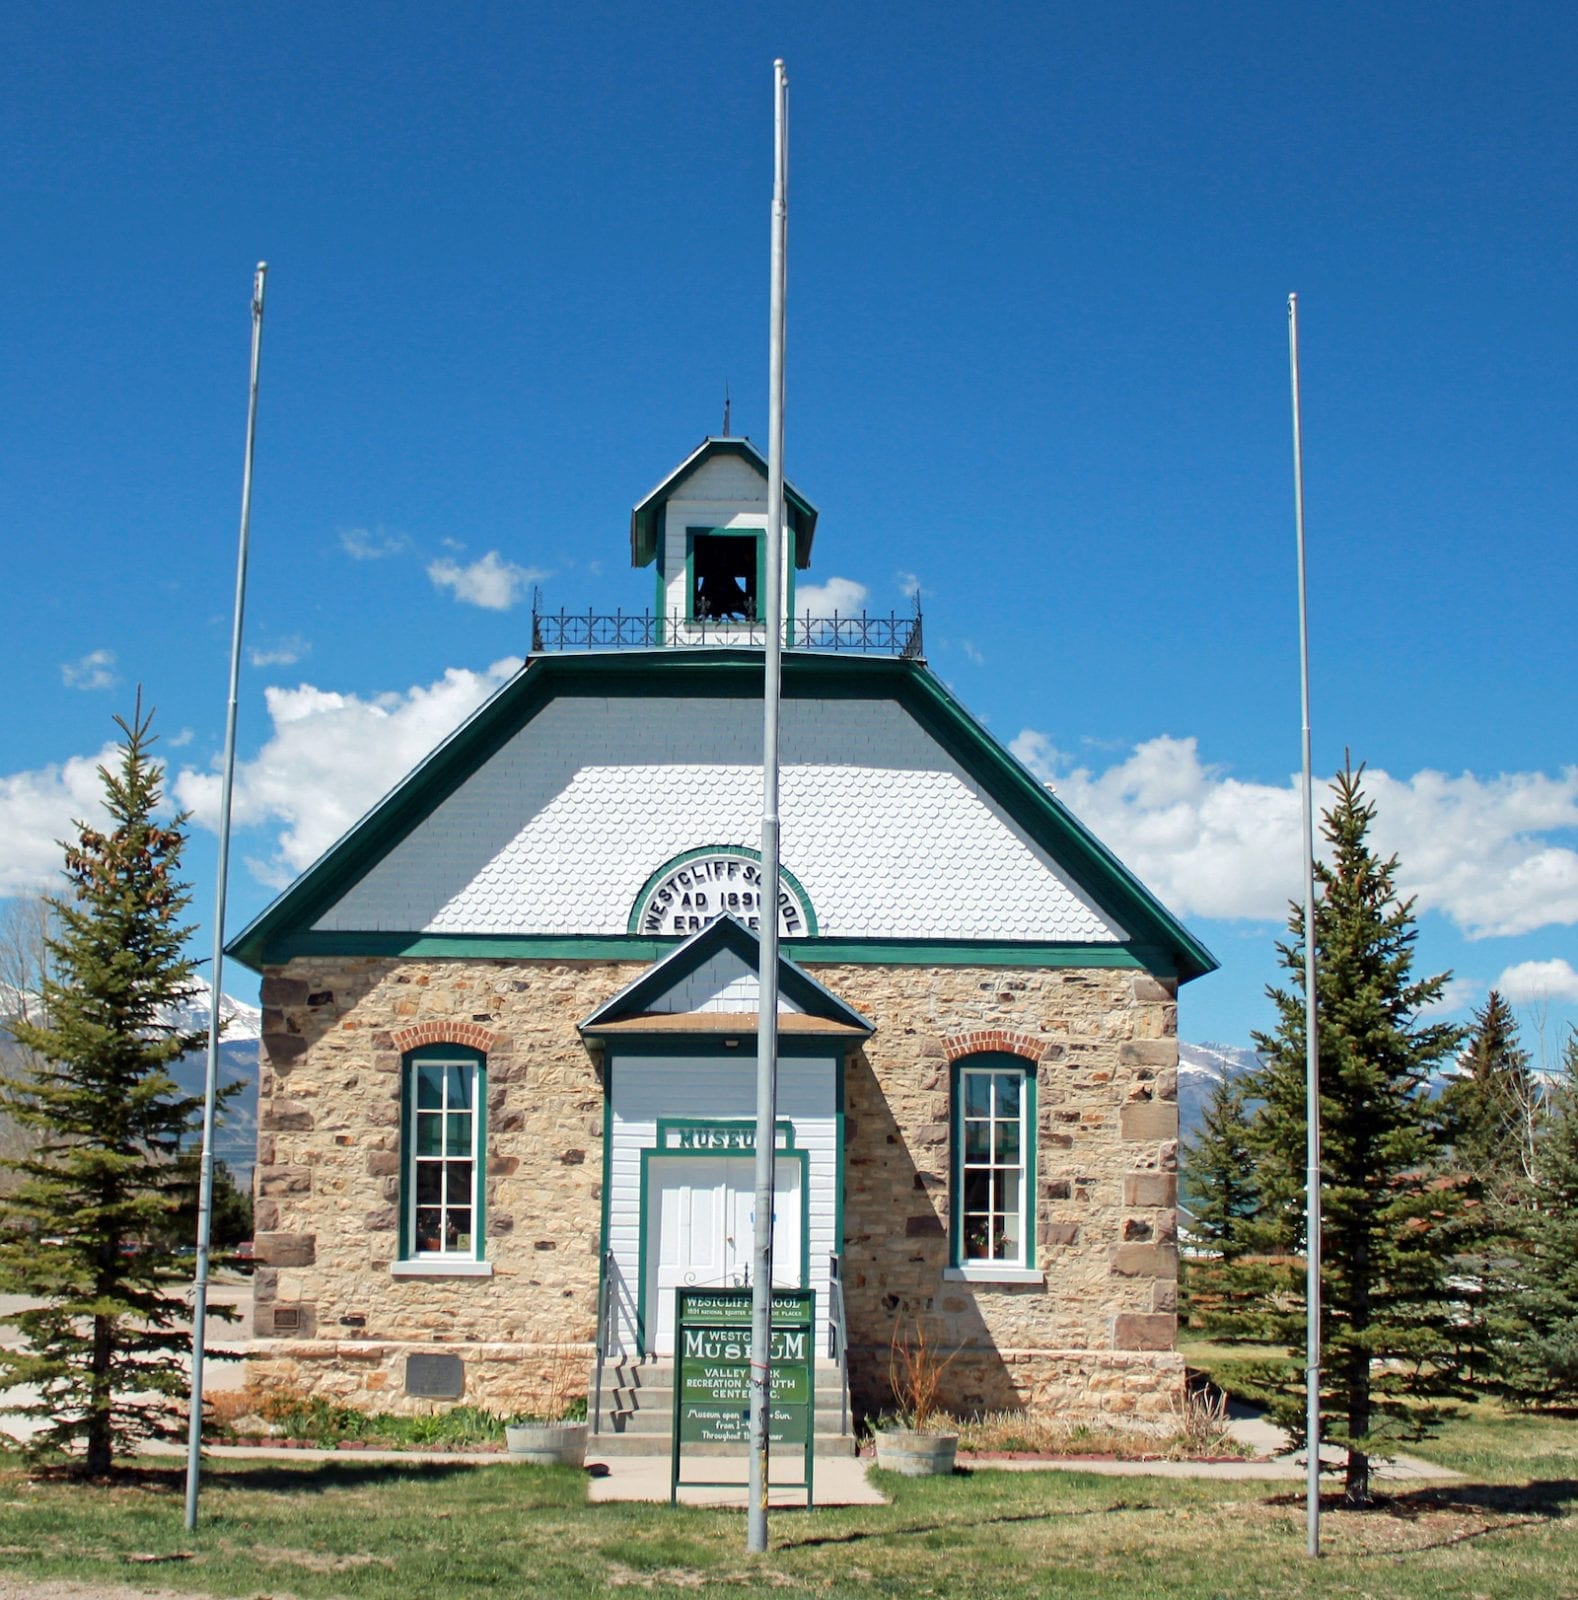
(1221,1199)
(1537,1333)
(1490,1108)
(1396,1341)
(1219,1176)
(82,1230)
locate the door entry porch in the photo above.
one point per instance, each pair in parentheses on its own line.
(699,1231)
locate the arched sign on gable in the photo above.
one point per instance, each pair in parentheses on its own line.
(698,887)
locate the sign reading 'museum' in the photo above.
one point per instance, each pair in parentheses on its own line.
(722,880)
(716,1133)
(712,1372)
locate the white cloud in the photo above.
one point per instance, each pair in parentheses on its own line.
(490,581)
(363,544)
(909,584)
(1530,982)
(1208,844)
(971,653)
(95,670)
(284,654)
(1479,848)
(841,595)
(330,757)
(1482,851)
(37,810)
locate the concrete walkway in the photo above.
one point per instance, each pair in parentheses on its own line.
(844,1481)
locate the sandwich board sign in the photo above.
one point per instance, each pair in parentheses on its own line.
(712,1377)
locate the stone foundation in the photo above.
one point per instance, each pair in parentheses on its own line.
(370,1375)
(1114,1388)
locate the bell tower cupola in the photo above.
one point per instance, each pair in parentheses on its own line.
(705,529)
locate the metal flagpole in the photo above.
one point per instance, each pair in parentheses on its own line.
(767,969)
(1311,1021)
(205,1200)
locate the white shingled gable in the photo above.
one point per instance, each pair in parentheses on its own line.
(722,477)
(724,982)
(558,831)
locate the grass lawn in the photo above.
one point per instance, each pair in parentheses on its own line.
(358,1528)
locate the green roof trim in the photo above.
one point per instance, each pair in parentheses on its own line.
(618,947)
(1157,940)
(725,933)
(646,521)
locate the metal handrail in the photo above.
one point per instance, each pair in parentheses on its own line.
(857,633)
(605,1301)
(838,1335)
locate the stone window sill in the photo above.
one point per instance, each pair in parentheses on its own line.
(437,1267)
(990,1272)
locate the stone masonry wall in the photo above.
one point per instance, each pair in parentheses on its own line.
(328,1175)
(1094,1341)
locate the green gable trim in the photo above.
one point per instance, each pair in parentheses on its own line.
(683,958)
(646,520)
(732,673)
(595,947)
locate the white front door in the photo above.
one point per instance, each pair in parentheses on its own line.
(701,1233)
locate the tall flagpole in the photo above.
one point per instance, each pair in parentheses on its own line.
(767,967)
(205,1200)
(1311,1020)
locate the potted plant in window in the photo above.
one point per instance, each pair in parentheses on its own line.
(554,1435)
(918,1441)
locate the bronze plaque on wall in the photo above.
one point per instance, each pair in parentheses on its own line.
(435,1377)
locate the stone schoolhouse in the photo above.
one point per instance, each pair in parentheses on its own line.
(507,1071)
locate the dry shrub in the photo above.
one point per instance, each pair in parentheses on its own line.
(1199,1427)
(561,1388)
(915,1374)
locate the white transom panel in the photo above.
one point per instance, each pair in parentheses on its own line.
(558,831)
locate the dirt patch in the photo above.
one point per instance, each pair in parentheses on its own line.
(316,1560)
(61,1589)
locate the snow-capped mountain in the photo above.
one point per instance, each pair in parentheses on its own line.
(240,1021)
(1200,1068)
(236,1135)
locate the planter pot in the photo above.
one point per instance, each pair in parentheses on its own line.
(917,1455)
(547,1444)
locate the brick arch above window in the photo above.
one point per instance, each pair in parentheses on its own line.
(470,1034)
(983,1039)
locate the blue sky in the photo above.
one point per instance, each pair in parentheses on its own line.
(1039,260)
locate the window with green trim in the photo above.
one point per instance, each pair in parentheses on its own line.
(445,1092)
(993,1161)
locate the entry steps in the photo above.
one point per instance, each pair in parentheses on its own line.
(638,1414)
